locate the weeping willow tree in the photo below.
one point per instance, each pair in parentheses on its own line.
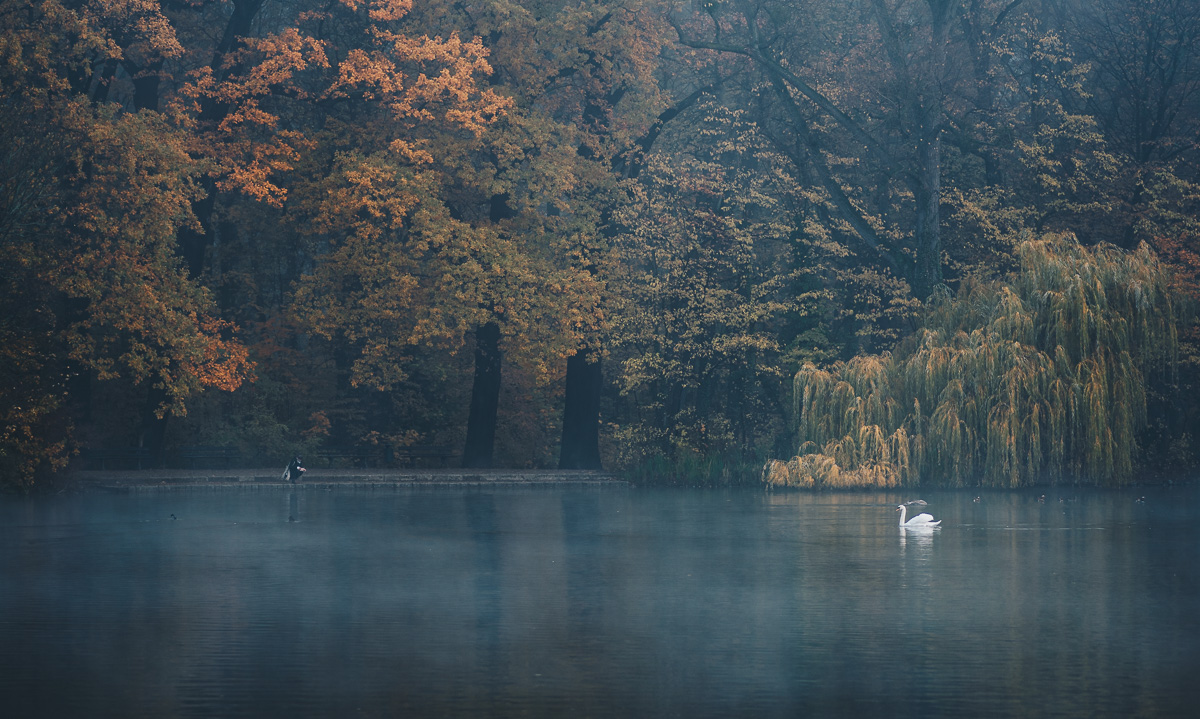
(1038,379)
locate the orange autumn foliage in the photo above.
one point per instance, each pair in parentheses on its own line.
(234,107)
(92,201)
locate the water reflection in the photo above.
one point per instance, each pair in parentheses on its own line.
(293,502)
(920,539)
(597,602)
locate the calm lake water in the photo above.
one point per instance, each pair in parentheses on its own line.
(600,602)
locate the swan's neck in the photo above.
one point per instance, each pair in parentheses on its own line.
(903,514)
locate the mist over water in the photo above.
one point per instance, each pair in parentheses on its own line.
(599,602)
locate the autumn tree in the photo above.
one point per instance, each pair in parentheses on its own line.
(424,213)
(288,107)
(594,72)
(815,59)
(240,109)
(403,259)
(586,82)
(93,199)
(710,293)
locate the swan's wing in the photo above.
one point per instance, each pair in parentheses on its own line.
(922,519)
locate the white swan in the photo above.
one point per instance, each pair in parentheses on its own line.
(921,521)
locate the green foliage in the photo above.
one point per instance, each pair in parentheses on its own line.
(1040,379)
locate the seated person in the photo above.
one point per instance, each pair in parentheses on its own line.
(293,471)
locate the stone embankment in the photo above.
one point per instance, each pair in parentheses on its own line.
(155,479)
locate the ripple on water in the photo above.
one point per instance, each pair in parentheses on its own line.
(596,602)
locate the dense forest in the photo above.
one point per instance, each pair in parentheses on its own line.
(855,242)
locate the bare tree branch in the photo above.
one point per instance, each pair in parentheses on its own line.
(634,164)
(840,200)
(775,69)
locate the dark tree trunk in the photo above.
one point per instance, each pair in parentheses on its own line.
(239,25)
(193,244)
(145,87)
(581,414)
(927,273)
(485,398)
(103,81)
(580,446)
(153,433)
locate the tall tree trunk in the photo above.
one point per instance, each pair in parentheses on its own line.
(194,244)
(145,86)
(240,23)
(103,81)
(927,272)
(485,398)
(153,432)
(580,447)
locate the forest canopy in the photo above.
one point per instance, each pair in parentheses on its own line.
(900,242)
